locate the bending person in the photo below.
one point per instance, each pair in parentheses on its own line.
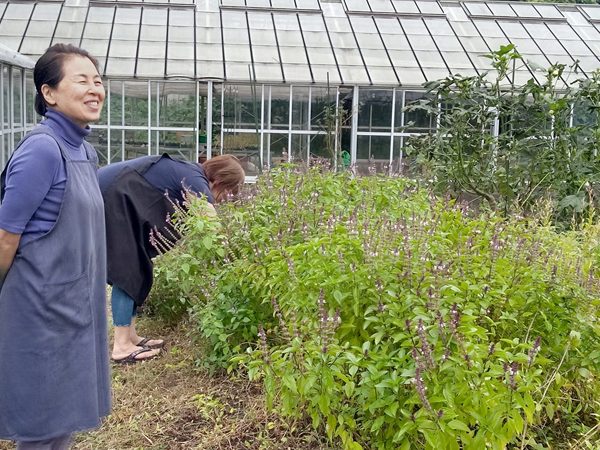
(138,196)
(54,367)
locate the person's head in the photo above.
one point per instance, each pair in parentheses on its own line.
(67,79)
(225,176)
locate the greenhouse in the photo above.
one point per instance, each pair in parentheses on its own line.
(278,80)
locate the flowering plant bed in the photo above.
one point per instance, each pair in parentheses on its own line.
(394,319)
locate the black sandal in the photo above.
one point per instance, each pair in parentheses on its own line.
(131,358)
(143,342)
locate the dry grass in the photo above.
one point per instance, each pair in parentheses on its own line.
(168,404)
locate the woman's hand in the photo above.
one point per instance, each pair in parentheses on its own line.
(9,242)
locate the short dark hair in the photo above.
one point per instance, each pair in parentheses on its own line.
(49,70)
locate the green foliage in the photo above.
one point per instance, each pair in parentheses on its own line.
(395,320)
(534,154)
(181,270)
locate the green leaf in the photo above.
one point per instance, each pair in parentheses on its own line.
(456,424)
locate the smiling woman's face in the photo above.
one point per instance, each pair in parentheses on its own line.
(80,94)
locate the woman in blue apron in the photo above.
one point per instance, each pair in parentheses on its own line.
(54,367)
(138,196)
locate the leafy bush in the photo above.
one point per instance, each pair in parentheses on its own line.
(182,270)
(396,320)
(512,145)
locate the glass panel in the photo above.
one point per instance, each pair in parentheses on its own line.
(246,147)
(381,5)
(322,113)
(5,97)
(403,59)
(299,148)
(283,4)
(593,13)
(45,12)
(399,164)
(524,10)
(117,138)
(430,59)
(136,143)
(414,27)
(448,44)
(136,103)
(322,146)
(548,11)
(429,7)
(375,110)
(17,90)
(276,148)
(357,5)
(501,9)
(300,73)
(405,6)
(368,41)
(576,48)
(308,4)
(312,22)
(478,9)
(417,121)
(101,14)
(116,102)
(11,32)
(563,31)
(372,154)
(439,27)
(179,144)
(348,57)
(32,45)
(382,75)
(326,74)
(17,11)
(513,29)
(321,56)
(279,108)
(269,73)
(300,107)
(458,61)
(98,140)
(71,23)
(234,52)
(396,41)
(412,77)
(388,25)
(176,104)
(241,108)
(151,62)
(488,28)
(31,116)
(475,45)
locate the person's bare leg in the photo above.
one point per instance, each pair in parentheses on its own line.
(134,338)
(123,345)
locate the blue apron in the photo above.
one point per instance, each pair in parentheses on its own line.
(54,366)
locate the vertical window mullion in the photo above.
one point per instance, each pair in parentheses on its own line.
(353,134)
(107,105)
(290,112)
(149,117)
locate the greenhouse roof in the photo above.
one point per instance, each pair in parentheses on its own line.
(13,58)
(363,42)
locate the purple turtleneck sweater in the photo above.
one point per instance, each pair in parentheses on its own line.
(36,178)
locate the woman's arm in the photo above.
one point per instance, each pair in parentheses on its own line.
(8,248)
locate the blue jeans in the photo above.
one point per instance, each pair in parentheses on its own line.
(123,307)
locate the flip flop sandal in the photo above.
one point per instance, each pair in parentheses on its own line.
(131,358)
(143,342)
